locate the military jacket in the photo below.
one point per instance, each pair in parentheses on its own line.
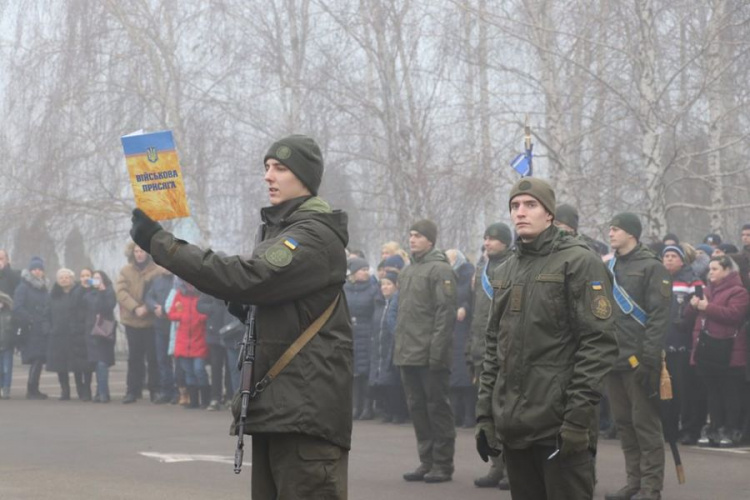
(645,279)
(426,312)
(292,276)
(474,351)
(550,341)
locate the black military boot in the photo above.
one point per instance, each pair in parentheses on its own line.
(647,494)
(418,474)
(624,493)
(491,479)
(194,392)
(438,475)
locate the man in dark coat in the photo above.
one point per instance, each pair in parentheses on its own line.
(301,423)
(155,299)
(550,342)
(424,331)
(31,314)
(643,290)
(9,278)
(497,240)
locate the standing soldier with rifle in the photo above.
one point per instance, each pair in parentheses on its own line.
(297,355)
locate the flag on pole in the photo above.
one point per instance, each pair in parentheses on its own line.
(523,162)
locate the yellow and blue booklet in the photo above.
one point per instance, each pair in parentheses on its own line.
(155,174)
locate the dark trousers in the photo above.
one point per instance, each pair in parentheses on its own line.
(35,372)
(464,401)
(141,350)
(217,357)
(694,403)
(83,383)
(639,425)
(427,395)
(298,467)
(533,476)
(725,397)
(360,395)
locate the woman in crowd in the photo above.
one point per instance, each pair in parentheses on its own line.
(190,347)
(361,292)
(31,313)
(7,344)
(99,301)
(385,381)
(721,314)
(66,350)
(463,391)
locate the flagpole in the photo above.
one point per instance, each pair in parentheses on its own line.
(528,145)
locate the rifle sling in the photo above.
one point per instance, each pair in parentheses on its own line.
(295,348)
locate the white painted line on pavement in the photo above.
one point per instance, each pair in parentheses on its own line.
(171,458)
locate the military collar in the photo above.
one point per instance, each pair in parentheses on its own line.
(630,254)
(497,259)
(276,214)
(544,244)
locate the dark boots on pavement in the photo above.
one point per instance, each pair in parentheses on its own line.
(624,493)
(418,474)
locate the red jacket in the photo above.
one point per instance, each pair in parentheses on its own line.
(190,341)
(728,303)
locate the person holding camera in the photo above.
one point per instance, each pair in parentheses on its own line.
(719,349)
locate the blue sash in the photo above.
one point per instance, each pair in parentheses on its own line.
(626,304)
(486,282)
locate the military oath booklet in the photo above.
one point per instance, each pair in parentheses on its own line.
(155,174)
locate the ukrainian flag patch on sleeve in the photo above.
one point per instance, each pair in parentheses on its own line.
(291,244)
(596,286)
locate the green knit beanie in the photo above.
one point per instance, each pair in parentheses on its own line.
(426,228)
(302,156)
(568,215)
(538,188)
(499,231)
(628,222)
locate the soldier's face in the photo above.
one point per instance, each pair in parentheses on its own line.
(418,243)
(745,240)
(619,238)
(283,185)
(493,246)
(529,216)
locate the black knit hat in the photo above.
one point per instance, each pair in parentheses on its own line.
(538,188)
(568,215)
(499,231)
(303,157)
(628,222)
(391,276)
(426,228)
(356,264)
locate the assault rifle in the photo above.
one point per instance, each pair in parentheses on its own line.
(245,363)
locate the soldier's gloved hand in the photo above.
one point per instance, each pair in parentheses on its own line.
(648,378)
(144,228)
(487,445)
(573,439)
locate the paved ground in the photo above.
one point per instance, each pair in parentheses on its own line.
(72,450)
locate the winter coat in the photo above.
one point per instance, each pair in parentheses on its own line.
(293,275)
(474,351)
(460,376)
(131,290)
(9,280)
(66,350)
(191,330)
(360,296)
(99,303)
(383,373)
(550,341)
(156,295)
(7,325)
(680,328)
(642,275)
(217,316)
(728,304)
(426,312)
(31,314)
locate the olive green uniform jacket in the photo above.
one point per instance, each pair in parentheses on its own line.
(642,275)
(550,341)
(292,276)
(474,351)
(426,312)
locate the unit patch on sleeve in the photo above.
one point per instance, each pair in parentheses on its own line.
(278,255)
(601,307)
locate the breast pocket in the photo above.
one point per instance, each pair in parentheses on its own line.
(550,297)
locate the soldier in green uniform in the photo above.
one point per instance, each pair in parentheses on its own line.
(301,423)
(643,292)
(423,351)
(566,218)
(550,342)
(497,240)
